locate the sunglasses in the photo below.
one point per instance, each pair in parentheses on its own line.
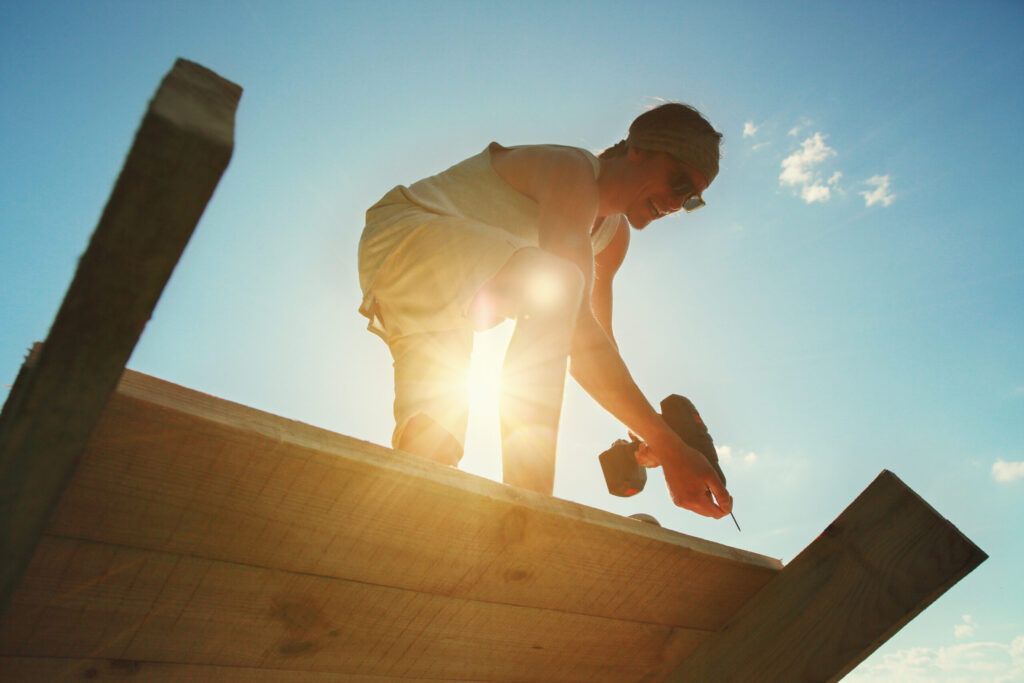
(682,186)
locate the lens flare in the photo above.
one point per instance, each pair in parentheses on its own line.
(544,290)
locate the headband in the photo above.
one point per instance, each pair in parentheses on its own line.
(700,152)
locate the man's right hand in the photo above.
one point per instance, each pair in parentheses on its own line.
(690,478)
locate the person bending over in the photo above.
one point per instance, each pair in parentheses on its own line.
(535,233)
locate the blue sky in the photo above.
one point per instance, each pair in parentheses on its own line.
(850,299)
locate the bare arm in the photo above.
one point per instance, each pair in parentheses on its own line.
(606,265)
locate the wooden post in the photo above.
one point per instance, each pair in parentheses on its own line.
(887,557)
(180,151)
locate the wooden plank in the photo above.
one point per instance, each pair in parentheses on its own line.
(92,600)
(885,558)
(171,469)
(180,151)
(35,669)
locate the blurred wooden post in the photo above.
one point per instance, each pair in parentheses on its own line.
(179,154)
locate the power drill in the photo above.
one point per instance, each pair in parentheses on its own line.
(625,476)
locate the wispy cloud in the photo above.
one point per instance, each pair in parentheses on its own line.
(728,455)
(881,194)
(760,145)
(750,129)
(980,661)
(800,125)
(800,170)
(1007,471)
(787,472)
(966,627)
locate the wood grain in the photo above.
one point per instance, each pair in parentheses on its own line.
(179,153)
(36,669)
(885,558)
(174,470)
(99,601)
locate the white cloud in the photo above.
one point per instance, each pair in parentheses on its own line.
(966,627)
(800,169)
(881,194)
(834,179)
(815,193)
(760,145)
(1005,471)
(727,455)
(992,662)
(749,129)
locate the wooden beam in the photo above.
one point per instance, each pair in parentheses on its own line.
(55,669)
(180,151)
(885,558)
(175,470)
(94,600)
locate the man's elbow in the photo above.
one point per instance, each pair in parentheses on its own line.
(605,321)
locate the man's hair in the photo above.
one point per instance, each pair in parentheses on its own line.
(672,116)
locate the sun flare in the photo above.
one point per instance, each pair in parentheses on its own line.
(483,389)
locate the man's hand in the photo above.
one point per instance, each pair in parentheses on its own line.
(691,479)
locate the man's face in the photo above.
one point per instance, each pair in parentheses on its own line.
(662,185)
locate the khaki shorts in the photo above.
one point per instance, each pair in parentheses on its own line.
(429,278)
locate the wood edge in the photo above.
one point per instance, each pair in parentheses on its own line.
(886,474)
(118,668)
(187,65)
(162,393)
(22,381)
(198,100)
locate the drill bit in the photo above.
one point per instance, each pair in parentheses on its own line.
(712,497)
(735,522)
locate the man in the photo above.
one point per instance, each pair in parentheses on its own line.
(534,233)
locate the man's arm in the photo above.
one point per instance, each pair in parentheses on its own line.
(564,188)
(606,265)
(598,368)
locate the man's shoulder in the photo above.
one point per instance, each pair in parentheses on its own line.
(541,171)
(547,155)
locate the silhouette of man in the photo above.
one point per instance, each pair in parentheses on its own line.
(533,233)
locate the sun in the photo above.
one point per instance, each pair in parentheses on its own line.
(483,381)
(483,389)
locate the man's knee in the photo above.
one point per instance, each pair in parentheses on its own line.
(536,282)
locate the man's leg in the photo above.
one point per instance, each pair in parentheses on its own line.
(430,393)
(424,437)
(543,293)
